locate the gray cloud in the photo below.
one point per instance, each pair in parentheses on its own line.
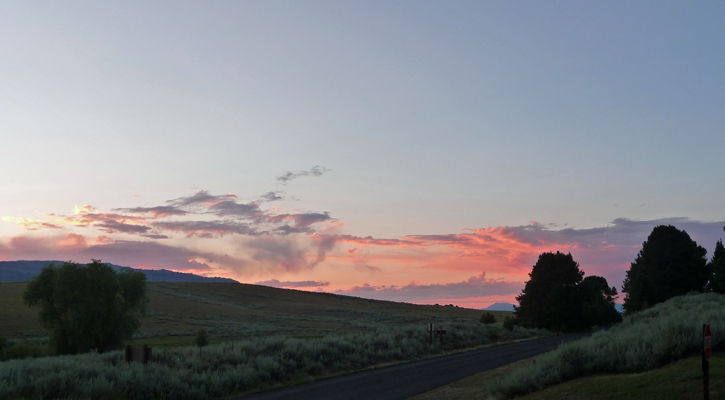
(271,196)
(156,212)
(207,229)
(200,197)
(232,208)
(111,226)
(314,171)
(292,284)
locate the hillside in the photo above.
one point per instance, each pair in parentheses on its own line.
(646,340)
(23,271)
(235,310)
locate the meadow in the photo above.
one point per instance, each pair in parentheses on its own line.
(262,338)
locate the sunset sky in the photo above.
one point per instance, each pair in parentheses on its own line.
(420,151)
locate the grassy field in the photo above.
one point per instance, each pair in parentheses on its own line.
(681,380)
(231,311)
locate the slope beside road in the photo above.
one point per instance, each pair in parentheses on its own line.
(399,382)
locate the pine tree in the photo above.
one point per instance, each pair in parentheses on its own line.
(717,269)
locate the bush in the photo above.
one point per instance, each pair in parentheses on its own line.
(509,323)
(488,318)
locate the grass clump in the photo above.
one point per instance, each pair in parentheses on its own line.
(234,367)
(643,341)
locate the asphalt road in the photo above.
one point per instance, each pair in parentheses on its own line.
(399,382)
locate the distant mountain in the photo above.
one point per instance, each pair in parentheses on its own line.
(619,308)
(500,307)
(21,271)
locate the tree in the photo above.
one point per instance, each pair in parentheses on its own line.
(558,298)
(87,307)
(544,301)
(597,302)
(717,269)
(201,339)
(670,264)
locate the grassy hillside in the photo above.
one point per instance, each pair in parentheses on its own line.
(644,341)
(233,311)
(681,380)
(651,355)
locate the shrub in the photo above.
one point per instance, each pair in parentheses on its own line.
(229,368)
(488,318)
(509,323)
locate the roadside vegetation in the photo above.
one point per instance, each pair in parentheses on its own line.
(681,380)
(645,340)
(237,367)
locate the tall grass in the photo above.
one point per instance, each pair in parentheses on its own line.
(234,367)
(646,340)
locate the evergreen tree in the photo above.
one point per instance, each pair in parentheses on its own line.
(670,264)
(717,269)
(558,298)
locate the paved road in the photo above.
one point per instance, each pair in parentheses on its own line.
(399,382)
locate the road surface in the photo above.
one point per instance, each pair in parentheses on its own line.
(402,381)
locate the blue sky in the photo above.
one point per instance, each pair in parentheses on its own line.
(432,118)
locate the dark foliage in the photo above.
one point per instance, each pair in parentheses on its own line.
(597,302)
(559,299)
(509,323)
(717,269)
(87,307)
(670,264)
(3,345)
(201,339)
(488,318)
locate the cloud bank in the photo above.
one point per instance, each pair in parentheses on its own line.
(218,234)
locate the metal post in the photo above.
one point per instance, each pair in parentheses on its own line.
(705,368)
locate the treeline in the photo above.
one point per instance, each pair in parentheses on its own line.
(558,297)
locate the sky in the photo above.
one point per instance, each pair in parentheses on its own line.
(418,151)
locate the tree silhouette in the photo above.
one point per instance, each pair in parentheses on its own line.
(202,339)
(597,302)
(670,264)
(558,298)
(717,269)
(87,307)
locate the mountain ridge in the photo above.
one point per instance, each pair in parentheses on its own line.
(25,270)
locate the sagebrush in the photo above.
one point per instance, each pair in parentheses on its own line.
(234,367)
